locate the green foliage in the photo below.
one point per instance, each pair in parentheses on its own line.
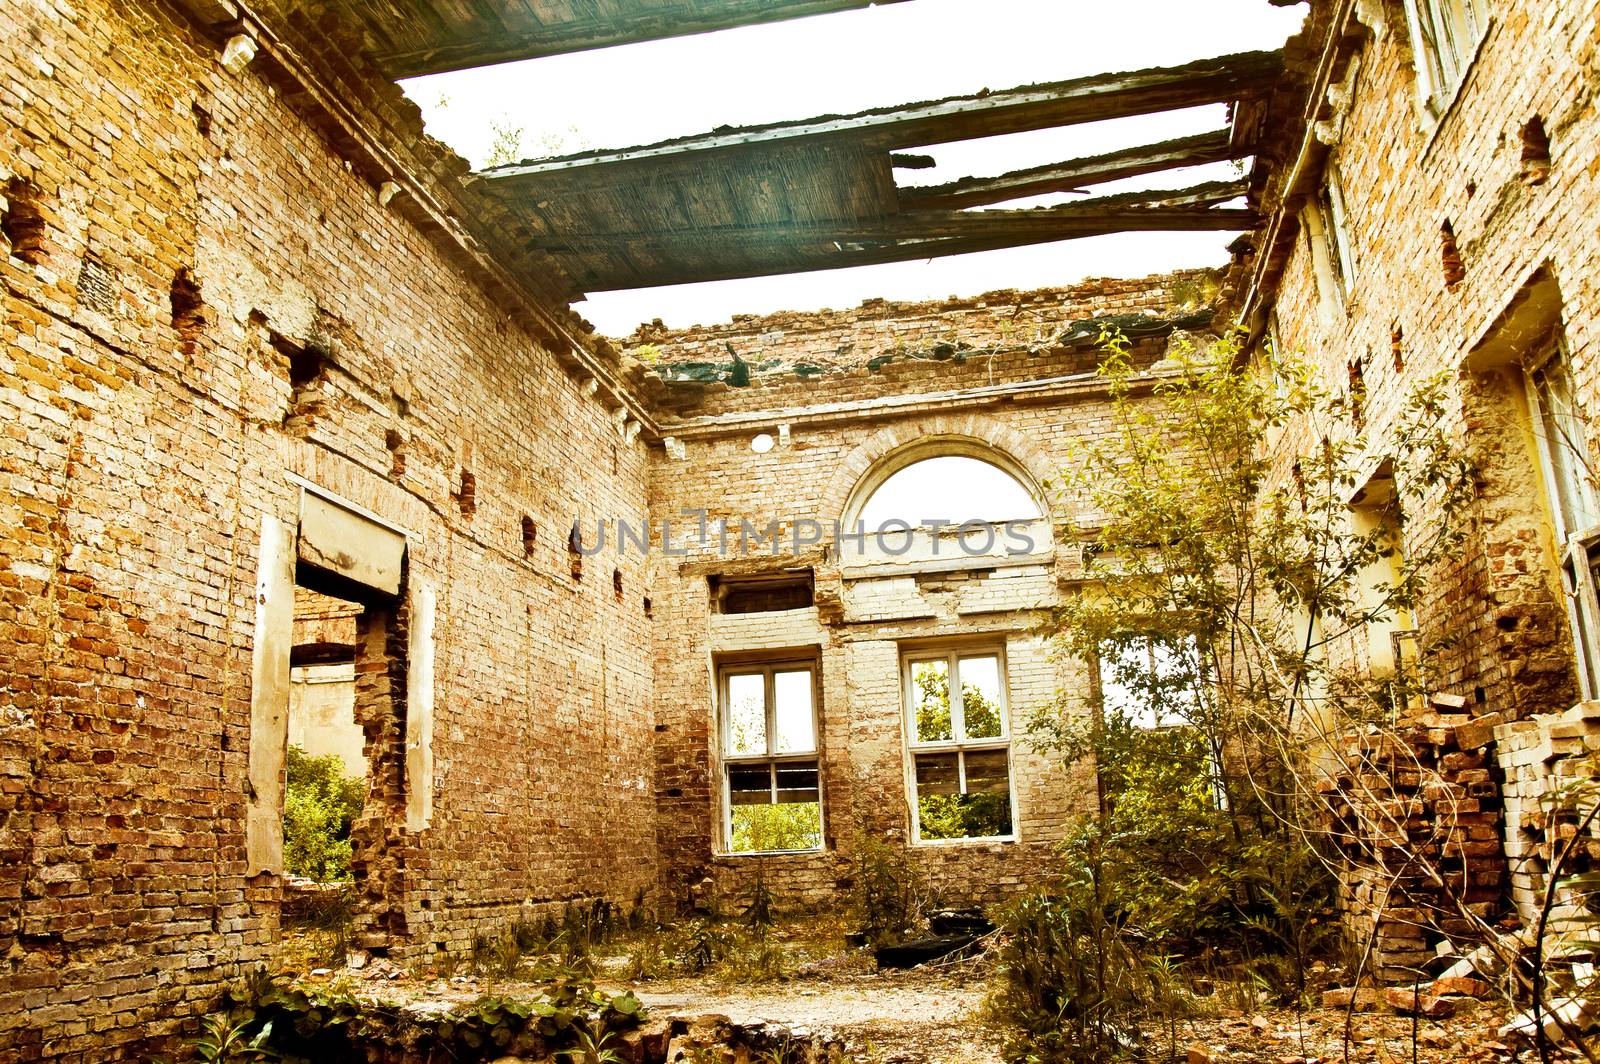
(237,1036)
(570,1018)
(1222,577)
(780,826)
(963,816)
(891,896)
(320,806)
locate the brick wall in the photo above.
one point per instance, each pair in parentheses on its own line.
(1402,182)
(1420,305)
(830,431)
(180,249)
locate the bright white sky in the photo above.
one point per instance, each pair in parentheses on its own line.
(850,61)
(948,488)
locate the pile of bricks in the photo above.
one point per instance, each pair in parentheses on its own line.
(1416,811)
(1546,760)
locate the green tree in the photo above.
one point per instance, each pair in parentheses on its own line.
(320,807)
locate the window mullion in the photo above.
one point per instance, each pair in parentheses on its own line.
(961,772)
(958,708)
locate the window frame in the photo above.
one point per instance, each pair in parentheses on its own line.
(1577,544)
(1443,51)
(767,668)
(951,653)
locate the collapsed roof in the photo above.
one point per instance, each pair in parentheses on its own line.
(820,193)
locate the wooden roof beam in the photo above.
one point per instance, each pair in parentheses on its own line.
(1190,208)
(503,37)
(956,118)
(1071,176)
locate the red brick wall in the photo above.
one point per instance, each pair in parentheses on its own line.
(136,459)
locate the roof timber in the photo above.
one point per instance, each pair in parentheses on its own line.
(1071,176)
(412,37)
(986,114)
(821,194)
(1183,209)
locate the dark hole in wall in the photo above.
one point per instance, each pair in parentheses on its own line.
(21,221)
(202,118)
(1450,256)
(530,535)
(575,551)
(188,307)
(1535,151)
(395,441)
(648,607)
(763,594)
(1397,348)
(467,493)
(306,365)
(1358,393)
(616,583)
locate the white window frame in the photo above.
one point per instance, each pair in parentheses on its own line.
(957,743)
(1577,533)
(767,669)
(1445,36)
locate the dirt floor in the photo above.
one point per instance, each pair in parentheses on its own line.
(933,1014)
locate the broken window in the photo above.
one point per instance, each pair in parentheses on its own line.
(1569,476)
(1444,37)
(762,594)
(960,746)
(769,754)
(1150,681)
(1327,225)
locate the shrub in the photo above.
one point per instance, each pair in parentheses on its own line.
(891,895)
(320,806)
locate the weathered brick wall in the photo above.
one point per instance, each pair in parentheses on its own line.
(174,233)
(1494,617)
(836,434)
(1499,600)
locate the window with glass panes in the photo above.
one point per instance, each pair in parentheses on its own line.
(771,779)
(959,744)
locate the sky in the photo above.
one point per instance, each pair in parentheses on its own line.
(850,61)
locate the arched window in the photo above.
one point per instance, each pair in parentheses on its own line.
(947,488)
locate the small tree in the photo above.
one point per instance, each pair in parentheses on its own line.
(320,807)
(1221,585)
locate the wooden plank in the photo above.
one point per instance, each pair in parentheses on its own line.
(1185,208)
(1069,176)
(1090,99)
(457,43)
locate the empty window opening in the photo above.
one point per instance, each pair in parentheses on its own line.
(21,222)
(530,536)
(950,489)
(326,770)
(648,607)
(762,594)
(1150,681)
(1450,256)
(1397,348)
(616,583)
(467,493)
(1444,36)
(1375,521)
(959,744)
(770,770)
(1535,151)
